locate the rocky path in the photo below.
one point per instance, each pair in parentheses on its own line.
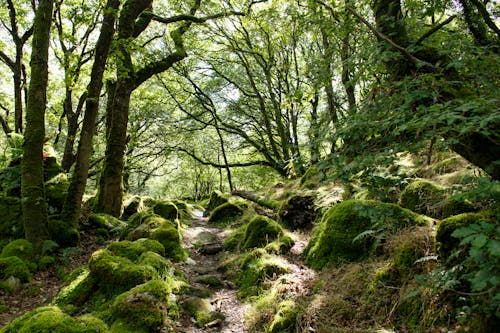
(204,243)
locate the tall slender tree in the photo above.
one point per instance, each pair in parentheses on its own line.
(33,194)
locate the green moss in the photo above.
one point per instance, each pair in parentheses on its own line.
(166,209)
(77,291)
(132,206)
(262,230)
(185,211)
(121,327)
(256,268)
(332,241)
(144,222)
(50,319)
(312,177)
(106,222)
(46,262)
(113,274)
(216,199)
(445,243)
(225,214)
(201,310)
(62,232)
(169,237)
(233,242)
(143,307)
(423,197)
(14,266)
(132,250)
(11,225)
(56,190)
(20,248)
(92,324)
(285,318)
(155,260)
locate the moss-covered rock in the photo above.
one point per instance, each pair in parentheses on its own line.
(185,211)
(132,206)
(333,239)
(143,308)
(20,248)
(445,243)
(200,310)
(56,190)
(216,199)
(132,250)
(157,261)
(313,177)
(107,222)
(77,290)
(11,224)
(62,232)
(257,267)
(262,230)
(170,238)
(225,213)
(298,211)
(166,209)
(113,274)
(16,267)
(51,319)
(423,197)
(285,318)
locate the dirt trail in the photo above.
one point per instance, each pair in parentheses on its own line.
(204,243)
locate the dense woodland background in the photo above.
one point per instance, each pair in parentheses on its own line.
(107,102)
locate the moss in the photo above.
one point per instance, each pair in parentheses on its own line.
(225,214)
(285,318)
(132,250)
(185,211)
(312,177)
(20,248)
(256,268)
(112,274)
(92,324)
(201,310)
(147,220)
(445,243)
(166,209)
(121,327)
(262,230)
(155,260)
(216,199)
(62,232)
(169,237)
(46,262)
(77,291)
(422,197)
(332,241)
(233,242)
(209,280)
(106,222)
(143,307)
(56,190)
(14,266)
(11,225)
(49,319)
(132,206)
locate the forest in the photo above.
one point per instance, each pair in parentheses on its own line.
(249,166)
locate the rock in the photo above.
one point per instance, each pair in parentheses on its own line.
(225,214)
(210,249)
(210,280)
(333,240)
(13,283)
(216,199)
(298,212)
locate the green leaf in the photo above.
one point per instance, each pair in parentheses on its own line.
(479,241)
(493,247)
(463,232)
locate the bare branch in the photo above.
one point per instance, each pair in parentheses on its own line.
(434,29)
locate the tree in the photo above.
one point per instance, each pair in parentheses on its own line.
(33,194)
(73,202)
(15,63)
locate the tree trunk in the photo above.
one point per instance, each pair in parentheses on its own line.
(72,205)
(33,193)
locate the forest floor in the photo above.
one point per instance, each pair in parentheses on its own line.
(46,284)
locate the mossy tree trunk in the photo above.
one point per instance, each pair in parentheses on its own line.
(72,205)
(480,149)
(131,25)
(33,194)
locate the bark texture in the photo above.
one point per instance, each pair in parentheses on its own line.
(32,185)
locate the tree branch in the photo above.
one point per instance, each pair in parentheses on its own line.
(222,166)
(434,29)
(402,50)
(486,16)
